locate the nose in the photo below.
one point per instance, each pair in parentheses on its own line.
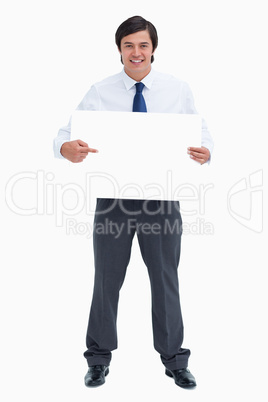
(136,51)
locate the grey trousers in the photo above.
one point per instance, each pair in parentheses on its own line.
(158,226)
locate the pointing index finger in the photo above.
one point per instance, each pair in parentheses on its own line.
(87,150)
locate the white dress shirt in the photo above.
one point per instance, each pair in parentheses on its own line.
(163,93)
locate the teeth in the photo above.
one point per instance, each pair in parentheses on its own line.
(136,61)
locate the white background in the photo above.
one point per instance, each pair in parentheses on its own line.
(52,51)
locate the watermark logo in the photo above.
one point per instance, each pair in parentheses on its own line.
(38,193)
(245,201)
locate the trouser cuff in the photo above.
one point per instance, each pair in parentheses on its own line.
(98,360)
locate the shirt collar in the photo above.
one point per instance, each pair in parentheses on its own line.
(147,81)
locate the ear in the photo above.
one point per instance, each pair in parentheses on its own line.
(119,50)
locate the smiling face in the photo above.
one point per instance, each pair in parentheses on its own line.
(136,51)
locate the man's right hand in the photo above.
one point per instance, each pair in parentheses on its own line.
(76,151)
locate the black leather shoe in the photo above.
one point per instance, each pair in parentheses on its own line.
(96,376)
(183,378)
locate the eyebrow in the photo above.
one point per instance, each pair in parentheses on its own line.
(131,43)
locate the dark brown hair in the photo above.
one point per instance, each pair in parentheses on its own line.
(133,25)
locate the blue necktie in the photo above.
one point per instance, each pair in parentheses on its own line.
(139,104)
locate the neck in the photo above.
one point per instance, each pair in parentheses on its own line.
(137,76)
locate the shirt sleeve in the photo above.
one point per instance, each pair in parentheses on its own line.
(206,139)
(91,101)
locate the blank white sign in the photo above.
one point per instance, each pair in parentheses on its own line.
(141,155)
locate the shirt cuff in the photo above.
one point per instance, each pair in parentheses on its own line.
(57,147)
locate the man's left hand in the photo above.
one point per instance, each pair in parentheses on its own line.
(200,155)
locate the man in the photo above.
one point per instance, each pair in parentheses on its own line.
(136,88)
